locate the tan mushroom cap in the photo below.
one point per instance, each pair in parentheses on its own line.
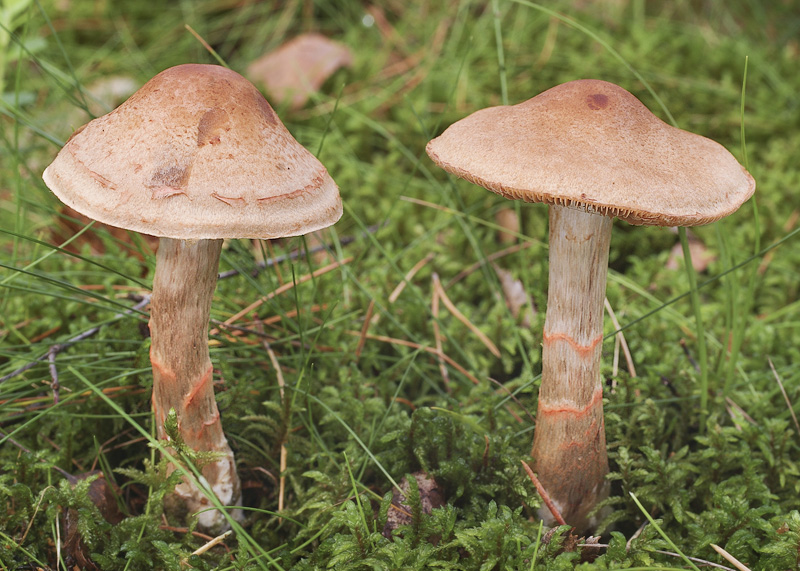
(196,153)
(590,144)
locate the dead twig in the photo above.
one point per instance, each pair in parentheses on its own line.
(54,350)
(703,562)
(488,259)
(405,281)
(364,328)
(620,339)
(207,538)
(4,437)
(260,333)
(543,493)
(216,541)
(395,341)
(730,558)
(437,285)
(635,536)
(408,277)
(734,410)
(740,410)
(55,386)
(282,289)
(281,384)
(688,354)
(369,319)
(297,254)
(437,334)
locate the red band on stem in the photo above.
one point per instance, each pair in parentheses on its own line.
(582,349)
(198,388)
(597,400)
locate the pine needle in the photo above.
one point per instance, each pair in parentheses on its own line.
(730,558)
(544,495)
(437,334)
(413,345)
(785,396)
(281,384)
(437,285)
(283,289)
(620,338)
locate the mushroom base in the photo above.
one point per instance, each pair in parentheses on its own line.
(183,286)
(569,446)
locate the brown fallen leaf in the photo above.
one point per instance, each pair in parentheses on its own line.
(101,494)
(701,257)
(299,68)
(430,496)
(107,93)
(508,219)
(591,549)
(516,298)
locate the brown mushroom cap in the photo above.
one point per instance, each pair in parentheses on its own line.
(592,145)
(196,153)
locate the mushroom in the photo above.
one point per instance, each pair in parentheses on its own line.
(195,156)
(592,151)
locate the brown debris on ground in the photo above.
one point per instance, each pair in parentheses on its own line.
(298,68)
(400,513)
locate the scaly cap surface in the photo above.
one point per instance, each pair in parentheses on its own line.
(196,153)
(590,144)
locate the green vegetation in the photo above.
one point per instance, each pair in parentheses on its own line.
(365,401)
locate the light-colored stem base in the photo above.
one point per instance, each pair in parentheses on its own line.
(183,286)
(569,446)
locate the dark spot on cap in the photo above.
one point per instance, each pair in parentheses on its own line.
(597,101)
(212,124)
(171,174)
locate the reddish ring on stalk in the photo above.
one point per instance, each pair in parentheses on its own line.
(592,151)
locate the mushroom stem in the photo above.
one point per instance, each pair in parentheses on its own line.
(569,446)
(183,286)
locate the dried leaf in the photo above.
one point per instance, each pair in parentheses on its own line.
(400,513)
(591,549)
(101,494)
(701,257)
(107,93)
(299,68)
(508,219)
(515,296)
